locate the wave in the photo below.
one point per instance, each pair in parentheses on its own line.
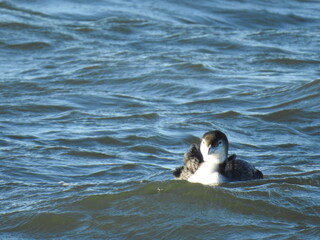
(28,46)
(291,61)
(193,206)
(176,206)
(287,115)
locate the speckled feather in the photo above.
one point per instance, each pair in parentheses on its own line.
(191,161)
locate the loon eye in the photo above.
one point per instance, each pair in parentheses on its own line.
(220,142)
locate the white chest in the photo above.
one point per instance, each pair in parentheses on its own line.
(207,174)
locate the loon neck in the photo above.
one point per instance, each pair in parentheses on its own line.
(209,172)
(214,164)
(214,159)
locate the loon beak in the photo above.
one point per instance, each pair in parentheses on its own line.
(211,150)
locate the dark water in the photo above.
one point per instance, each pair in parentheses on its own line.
(100,99)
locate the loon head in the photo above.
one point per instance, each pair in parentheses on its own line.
(214,147)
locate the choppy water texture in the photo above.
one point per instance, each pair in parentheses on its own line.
(100,99)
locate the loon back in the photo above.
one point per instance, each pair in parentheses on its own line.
(239,170)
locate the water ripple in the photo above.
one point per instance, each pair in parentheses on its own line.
(100,100)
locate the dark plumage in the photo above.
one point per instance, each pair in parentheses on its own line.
(239,170)
(191,161)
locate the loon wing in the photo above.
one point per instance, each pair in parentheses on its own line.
(239,170)
(191,160)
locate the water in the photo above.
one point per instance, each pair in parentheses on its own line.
(100,99)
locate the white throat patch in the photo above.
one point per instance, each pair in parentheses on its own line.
(218,156)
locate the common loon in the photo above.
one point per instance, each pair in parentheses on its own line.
(208,162)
